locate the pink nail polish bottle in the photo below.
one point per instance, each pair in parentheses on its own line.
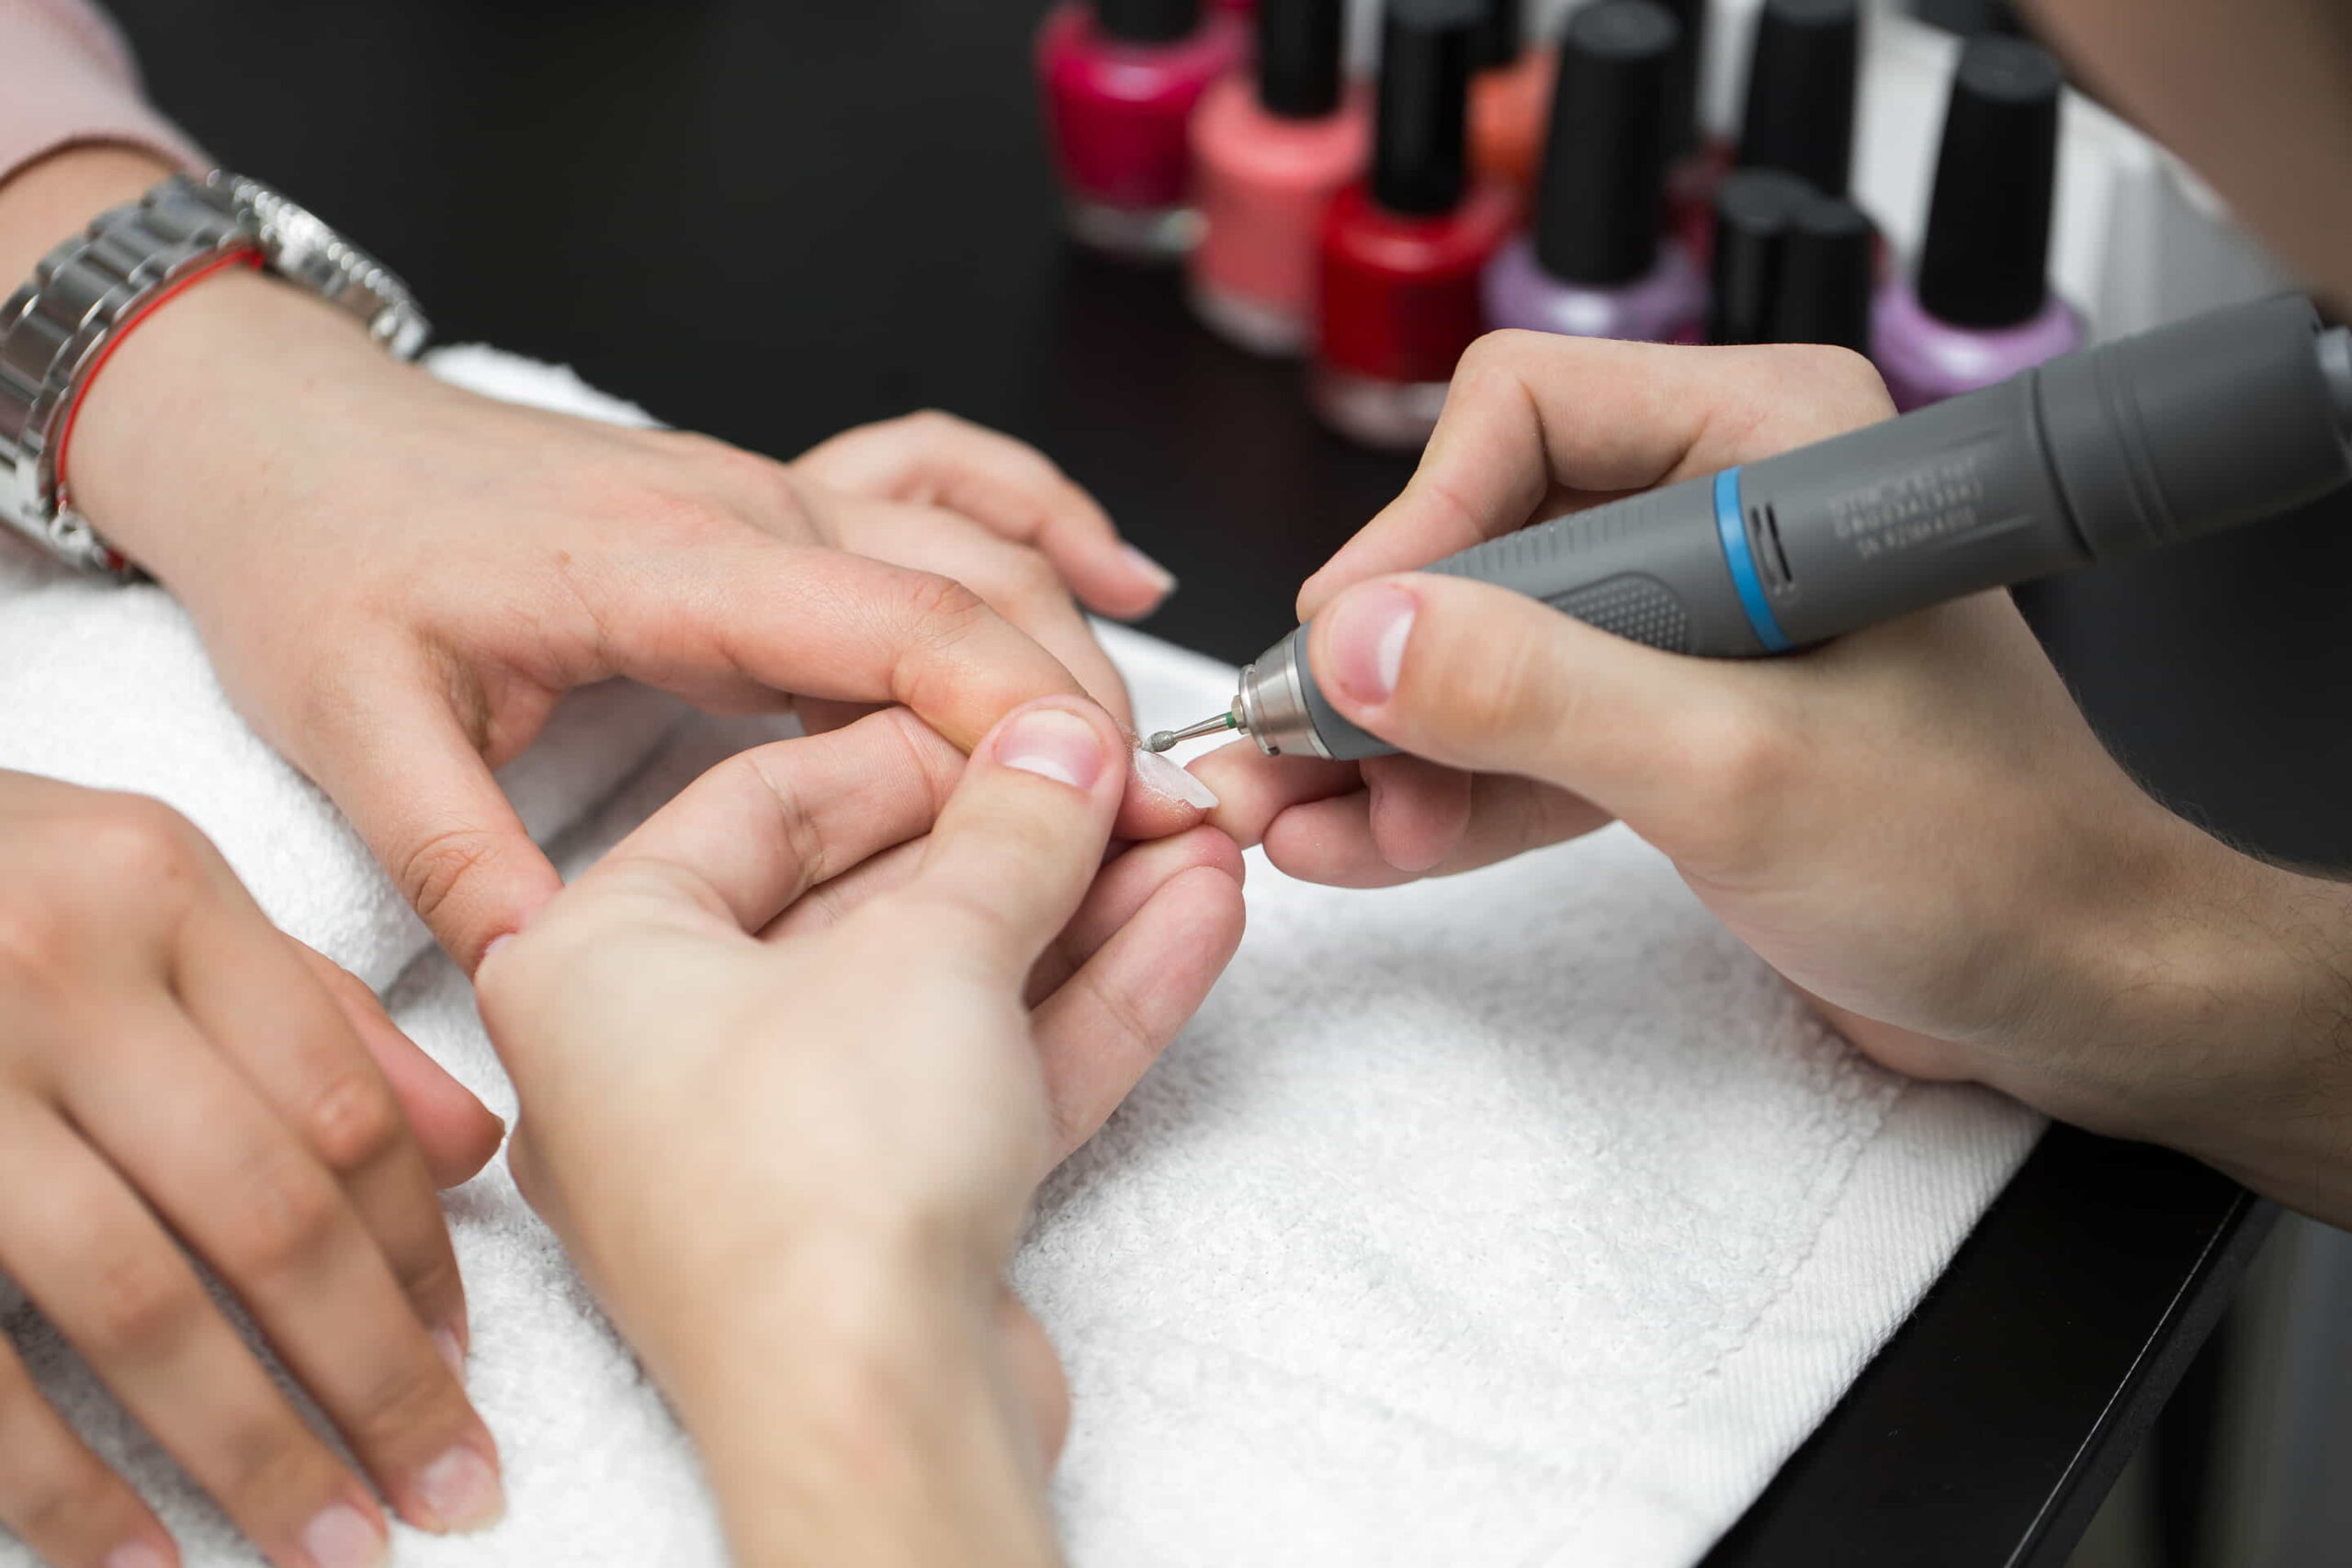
(1982,307)
(1269,151)
(1121,81)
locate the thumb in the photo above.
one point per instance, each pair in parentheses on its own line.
(1021,840)
(1481,678)
(455,1131)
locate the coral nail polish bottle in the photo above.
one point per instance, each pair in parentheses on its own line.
(1983,308)
(1800,110)
(1597,264)
(1121,81)
(1397,289)
(1510,92)
(1269,154)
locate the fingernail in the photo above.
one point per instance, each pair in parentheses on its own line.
(452,1347)
(1161,776)
(1367,637)
(461,1491)
(1054,743)
(135,1554)
(343,1537)
(1162,579)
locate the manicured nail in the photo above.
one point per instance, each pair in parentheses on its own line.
(343,1537)
(1054,743)
(1163,581)
(461,1491)
(135,1554)
(452,1347)
(1367,635)
(1161,776)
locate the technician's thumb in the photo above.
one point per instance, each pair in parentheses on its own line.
(1480,678)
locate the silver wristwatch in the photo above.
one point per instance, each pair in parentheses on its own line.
(57,328)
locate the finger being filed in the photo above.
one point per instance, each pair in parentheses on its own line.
(412,781)
(1022,835)
(253,996)
(278,1226)
(454,1130)
(100,1267)
(1105,1027)
(1004,483)
(1252,788)
(754,834)
(57,1495)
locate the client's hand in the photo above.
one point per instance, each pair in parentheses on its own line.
(175,1071)
(1914,823)
(397,579)
(790,1073)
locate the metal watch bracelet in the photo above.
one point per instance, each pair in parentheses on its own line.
(56,329)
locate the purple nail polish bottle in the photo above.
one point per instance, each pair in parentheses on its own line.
(1982,309)
(1598,263)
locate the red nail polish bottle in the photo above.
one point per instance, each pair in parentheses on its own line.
(1269,151)
(1121,78)
(1398,289)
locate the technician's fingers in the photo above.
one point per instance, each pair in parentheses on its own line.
(1106,1024)
(1535,421)
(414,783)
(1480,678)
(1332,841)
(58,1497)
(1014,581)
(1252,788)
(99,1266)
(749,838)
(256,1001)
(1006,484)
(457,1132)
(229,1177)
(1021,838)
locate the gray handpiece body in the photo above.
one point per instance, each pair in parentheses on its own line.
(2220,420)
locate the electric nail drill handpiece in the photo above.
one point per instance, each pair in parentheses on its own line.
(2222,418)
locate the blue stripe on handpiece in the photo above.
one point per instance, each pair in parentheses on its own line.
(1734,531)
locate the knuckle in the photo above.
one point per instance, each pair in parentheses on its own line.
(409,1397)
(1510,687)
(135,843)
(144,1305)
(352,1122)
(287,1210)
(58,1492)
(433,871)
(33,940)
(268,1460)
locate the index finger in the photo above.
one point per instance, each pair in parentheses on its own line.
(1538,422)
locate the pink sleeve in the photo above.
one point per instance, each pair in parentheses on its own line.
(66,77)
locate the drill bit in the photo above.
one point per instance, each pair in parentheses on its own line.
(1163,739)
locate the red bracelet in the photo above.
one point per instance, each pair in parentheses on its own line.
(246,255)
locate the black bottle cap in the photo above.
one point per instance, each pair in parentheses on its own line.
(1417,152)
(1828,270)
(1801,91)
(1987,254)
(1603,196)
(1298,57)
(1682,80)
(1501,33)
(1147,21)
(1753,213)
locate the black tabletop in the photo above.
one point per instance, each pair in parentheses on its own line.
(771,220)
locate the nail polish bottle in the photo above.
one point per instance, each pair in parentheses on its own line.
(1121,80)
(1828,275)
(1511,90)
(1754,212)
(1982,309)
(1800,111)
(1401,253)
(1696,159)
(1597,263)
(1269,154)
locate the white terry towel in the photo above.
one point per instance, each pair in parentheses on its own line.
(1522,1218)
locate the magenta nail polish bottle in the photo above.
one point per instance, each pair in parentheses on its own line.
(1982,309)
(1597,263)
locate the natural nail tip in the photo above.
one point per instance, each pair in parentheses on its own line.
(340,1536)
(461,1491)
(135,1554)
(1162,579)
(1162,776)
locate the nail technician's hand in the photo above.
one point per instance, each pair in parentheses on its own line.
(397,579)
(1914,824)
(175,1071)
(790,1072)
